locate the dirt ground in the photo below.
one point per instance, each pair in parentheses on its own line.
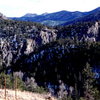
(23,95)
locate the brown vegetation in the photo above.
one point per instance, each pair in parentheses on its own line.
(22,95)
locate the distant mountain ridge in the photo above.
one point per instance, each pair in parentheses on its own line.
(60,18)
(57,16)
(93,15)
(30,15)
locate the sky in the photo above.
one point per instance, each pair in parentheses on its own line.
(18,8)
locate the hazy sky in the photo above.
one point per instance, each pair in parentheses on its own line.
(17,8)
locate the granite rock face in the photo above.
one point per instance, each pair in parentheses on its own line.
(48,35)
(22,38)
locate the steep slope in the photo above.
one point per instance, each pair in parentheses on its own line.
(22,38)
(46,55)
(18,38)
(92,16)
(95,10)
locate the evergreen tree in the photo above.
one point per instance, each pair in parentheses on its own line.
(88,76)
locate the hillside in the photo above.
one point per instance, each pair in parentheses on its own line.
(92,16)
(22,95)
(18,38)
(60,60)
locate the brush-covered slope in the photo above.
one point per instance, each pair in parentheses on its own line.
(93,15)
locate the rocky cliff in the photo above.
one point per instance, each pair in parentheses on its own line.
(22,38)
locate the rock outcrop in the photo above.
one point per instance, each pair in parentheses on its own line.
(22,38)
(48,35)
(3,17)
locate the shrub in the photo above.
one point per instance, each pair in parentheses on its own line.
(10,82)
(32,86)
(7,78)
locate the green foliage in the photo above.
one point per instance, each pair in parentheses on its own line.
(22,29)
(16,82)
(31,85)
(81,98)
(36,89)
(90,91)
(66,98)
(10,82)
(4,77)
(63,59)
(39,90)
(20,83)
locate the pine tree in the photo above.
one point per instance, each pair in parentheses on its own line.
(88,84)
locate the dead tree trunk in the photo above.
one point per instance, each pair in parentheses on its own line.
(5,86)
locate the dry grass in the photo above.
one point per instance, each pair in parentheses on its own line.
(23,95)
